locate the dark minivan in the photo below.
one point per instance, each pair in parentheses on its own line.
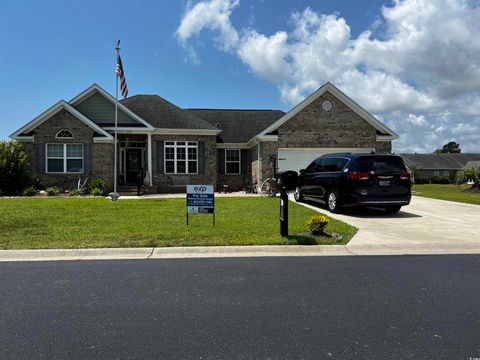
(344,180)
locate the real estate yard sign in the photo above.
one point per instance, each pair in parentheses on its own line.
(200,200)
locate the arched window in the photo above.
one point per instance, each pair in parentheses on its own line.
(64,134)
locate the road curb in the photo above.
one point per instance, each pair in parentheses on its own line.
(234,251)
(172,252)
(75,254)
(415,249)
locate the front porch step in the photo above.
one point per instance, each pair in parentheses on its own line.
(128,190)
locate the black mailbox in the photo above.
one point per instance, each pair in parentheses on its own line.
(287,179)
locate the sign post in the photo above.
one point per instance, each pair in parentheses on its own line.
(200,200)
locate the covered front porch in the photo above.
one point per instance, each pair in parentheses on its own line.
(134,160)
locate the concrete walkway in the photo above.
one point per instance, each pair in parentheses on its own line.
(184,195)
(424,223)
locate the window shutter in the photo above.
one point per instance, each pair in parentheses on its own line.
(40,159)
(87,157)
(244,161)
(201,157)
(160,157)
(221,161)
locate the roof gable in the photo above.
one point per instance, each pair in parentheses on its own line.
(19,134)
(99,105)
(340,96)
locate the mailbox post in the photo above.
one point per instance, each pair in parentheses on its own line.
(283,210)
(287,180)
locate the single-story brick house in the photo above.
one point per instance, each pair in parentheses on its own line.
(427,166)
(178,146)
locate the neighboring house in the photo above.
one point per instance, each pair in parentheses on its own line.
(178,146)
(472,164)
(432,165)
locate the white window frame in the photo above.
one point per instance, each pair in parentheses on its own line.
(446,173)
(57,136)
(436,173)
(239,162)
(175,146)
(65,158)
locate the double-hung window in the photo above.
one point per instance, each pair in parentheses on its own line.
(181,157)
(64,158)
(232,161)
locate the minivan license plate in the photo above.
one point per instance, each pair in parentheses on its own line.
(384,182)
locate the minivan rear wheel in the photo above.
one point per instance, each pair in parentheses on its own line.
(332,201)
(392,209)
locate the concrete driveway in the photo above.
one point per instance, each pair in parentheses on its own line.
(424,222)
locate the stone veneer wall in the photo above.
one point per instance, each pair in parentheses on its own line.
(101,153)
(267,149)
(166,183)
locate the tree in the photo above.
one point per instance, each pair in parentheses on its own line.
(470,174)
(15,174)
(450,148)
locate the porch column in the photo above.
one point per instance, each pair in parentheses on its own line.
(149,157)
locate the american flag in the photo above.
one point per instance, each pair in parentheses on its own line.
(123,82)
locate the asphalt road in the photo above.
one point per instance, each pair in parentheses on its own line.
(411,307)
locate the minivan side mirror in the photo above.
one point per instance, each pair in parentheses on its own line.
(302,171)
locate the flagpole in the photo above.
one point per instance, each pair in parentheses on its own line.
(117,47)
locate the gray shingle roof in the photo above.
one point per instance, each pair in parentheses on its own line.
(471,164)
(161,113)
(238,126)
(439,161)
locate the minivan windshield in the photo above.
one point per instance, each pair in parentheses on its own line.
(379,164)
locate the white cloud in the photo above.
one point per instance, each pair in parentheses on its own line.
(416,67)
(266,56)
(416,120)
(213,15)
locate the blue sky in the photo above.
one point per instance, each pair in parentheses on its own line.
(252,54)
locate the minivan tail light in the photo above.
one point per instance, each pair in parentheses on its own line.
(404,175)
(355,175)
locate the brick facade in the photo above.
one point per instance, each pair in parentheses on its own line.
(101,153)
(164,183)
(312,127)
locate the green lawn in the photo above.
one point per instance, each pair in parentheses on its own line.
(28,223)
(448,192)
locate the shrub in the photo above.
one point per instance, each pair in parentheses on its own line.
(96,183)
(97,192)
(470,174)
(52,191)
(15,173)
(76,192)
(434,180)
(30,191)
(317,223)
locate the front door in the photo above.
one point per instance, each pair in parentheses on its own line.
(133,165)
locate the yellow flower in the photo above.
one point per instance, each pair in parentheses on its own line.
(317,223)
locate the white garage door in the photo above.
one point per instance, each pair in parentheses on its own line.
(299,158)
